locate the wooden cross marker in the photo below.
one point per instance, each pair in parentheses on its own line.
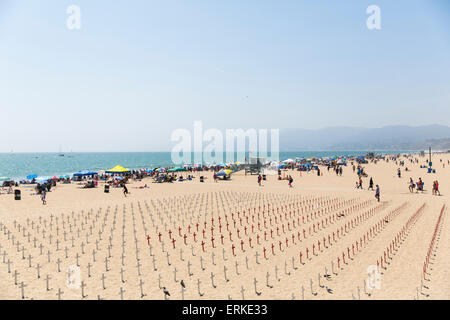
(106,264)
(225,273)
(168,255)
(58,262)
(47,279)
(267,280)
(285,269)
(181,254)
(59,293)
(141,283)
(103,281)
(256,290)
(15,276)
(311,287)
(138,266)
(77,257)
(198,288)
(38,268)
(83,285)
(89,269)
(22,287)
(212,280)
(9,265)
(159,281)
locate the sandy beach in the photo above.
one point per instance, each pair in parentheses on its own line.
(321,239)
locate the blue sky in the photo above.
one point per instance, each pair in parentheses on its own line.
(139,69)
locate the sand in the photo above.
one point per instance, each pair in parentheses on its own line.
(91,245)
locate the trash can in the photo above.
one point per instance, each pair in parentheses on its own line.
(17,195)
(201,179)
(264,177)
(106,188)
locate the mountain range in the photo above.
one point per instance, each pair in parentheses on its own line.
(358,138)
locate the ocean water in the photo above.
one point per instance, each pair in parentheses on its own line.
(19,165)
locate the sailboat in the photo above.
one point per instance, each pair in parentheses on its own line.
(60,153)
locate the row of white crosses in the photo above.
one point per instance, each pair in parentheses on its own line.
(214,255)
(146,250)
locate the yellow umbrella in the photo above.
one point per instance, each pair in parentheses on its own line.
(228,171)
(118,169)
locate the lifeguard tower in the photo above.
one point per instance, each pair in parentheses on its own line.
(254,165)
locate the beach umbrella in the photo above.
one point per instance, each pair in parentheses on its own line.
(32,176)
(54,178)
(221,173)
(118,169)
(289,161)
(118,178)
(176,169)
(228,171)
(85,173)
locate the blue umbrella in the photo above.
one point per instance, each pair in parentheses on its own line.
(32,176)
(85,173)
(221,173)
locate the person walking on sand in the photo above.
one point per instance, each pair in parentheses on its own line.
(370,184)
(377,193)
(125,190)
(44,196)
(412,185)
(420,186)
(290,182)
(436,189)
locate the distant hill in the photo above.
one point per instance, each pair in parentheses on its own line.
(358,138)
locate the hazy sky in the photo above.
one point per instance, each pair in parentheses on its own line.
(136,70)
